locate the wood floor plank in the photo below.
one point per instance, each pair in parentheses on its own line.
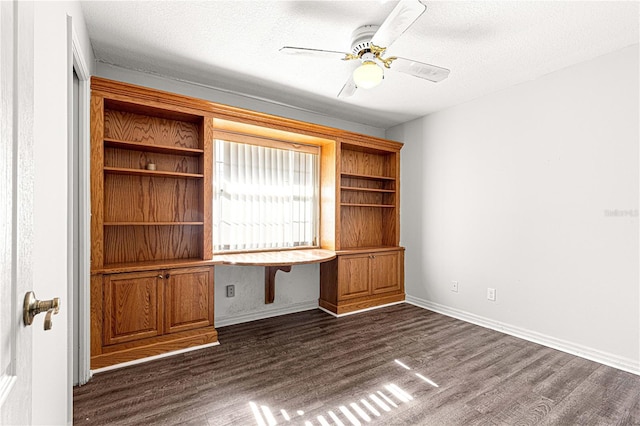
(605,397)
(312,367)
(565,380)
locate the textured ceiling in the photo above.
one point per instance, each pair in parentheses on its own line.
(233,45)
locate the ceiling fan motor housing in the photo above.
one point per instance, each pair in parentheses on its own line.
(361,38)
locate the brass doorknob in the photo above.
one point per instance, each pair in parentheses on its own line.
(33,307)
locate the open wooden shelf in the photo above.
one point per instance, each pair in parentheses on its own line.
(370,249)
(116,268)
(369,194)
(363,176)
(367,205)
(140,146)
(353,188)
(151,223)
(156,173)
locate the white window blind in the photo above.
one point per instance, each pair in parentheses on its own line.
(264,197)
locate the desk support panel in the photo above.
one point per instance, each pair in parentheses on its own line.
(274,261)
(270,281)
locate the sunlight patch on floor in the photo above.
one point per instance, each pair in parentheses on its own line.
(376,404)
(364,416)
(352,414)
(370,407)
(335,419)
(431,382)
(256,413)
(354,421)
(268,415)
(400,363)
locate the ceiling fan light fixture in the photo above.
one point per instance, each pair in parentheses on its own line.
(368,75)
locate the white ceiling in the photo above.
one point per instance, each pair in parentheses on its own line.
(233,45)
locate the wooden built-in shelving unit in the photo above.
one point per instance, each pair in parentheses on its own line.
(146,219)
(368,270)
(152,262)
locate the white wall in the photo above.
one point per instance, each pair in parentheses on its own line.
(51,384)
(295,291)
(517,191)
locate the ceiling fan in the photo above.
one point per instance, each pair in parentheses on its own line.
(369,44)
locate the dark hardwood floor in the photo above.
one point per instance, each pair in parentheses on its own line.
(399,365)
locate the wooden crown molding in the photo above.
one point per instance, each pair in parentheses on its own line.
(116,90)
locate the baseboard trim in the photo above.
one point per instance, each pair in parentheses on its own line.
(268,313)
(591,354)
(359,311)
(151,358)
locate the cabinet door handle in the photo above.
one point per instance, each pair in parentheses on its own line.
(167,276)
(160,276)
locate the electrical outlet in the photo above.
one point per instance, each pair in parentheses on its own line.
(454,286)
(491,294)
(231,290)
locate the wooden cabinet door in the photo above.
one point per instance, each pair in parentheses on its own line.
(385,272)
(353,276)
(132,306)
(189,298)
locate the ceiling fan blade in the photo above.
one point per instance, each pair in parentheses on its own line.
(398,21)
(348,89)
(313,52)
(420,69)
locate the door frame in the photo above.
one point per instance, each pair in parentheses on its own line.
(77,62)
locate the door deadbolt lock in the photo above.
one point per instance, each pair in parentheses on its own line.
(33,307)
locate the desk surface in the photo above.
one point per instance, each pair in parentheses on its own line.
(276,258)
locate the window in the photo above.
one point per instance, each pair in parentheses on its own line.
(265,194)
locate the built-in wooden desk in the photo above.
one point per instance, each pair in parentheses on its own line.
(275,261)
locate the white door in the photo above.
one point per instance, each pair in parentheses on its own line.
(16,208)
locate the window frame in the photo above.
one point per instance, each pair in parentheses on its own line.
(270,142)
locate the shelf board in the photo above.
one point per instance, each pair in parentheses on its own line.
(363,176)
(367,205)
(353,188)
(151,223)
(110,268)
(140,146)
(371,249)
(155,173)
